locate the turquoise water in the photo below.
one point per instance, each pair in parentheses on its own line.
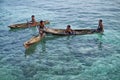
(83,57)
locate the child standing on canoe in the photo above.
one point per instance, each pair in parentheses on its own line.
(41,28)
(100,26)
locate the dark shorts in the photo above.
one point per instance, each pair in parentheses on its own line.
(99,29)
(41,30)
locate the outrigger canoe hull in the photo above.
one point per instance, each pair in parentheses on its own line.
(61,32)
(25,25)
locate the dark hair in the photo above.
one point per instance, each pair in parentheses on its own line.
(100,20)
(68,26)
(41,21)
(33,16)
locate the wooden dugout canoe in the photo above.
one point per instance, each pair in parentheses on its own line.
(61,32)
(25,25)
(33,40)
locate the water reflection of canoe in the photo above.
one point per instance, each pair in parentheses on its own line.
(25,25)
(33,40)
(61,32)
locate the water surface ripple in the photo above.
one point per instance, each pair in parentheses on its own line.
(83,57)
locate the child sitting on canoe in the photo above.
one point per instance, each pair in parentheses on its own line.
(69,30)
(33,21)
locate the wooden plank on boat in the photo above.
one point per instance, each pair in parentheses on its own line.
(25,25)
(33,40)
(61,32)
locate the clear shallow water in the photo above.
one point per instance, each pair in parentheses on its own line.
(86,57)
